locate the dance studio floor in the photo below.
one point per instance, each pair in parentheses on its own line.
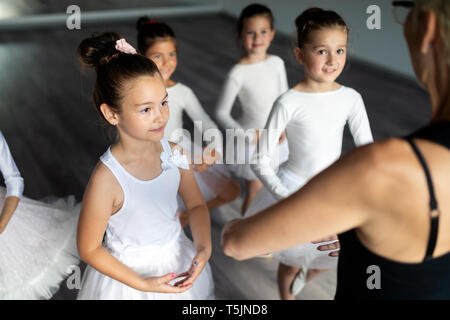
(47,117)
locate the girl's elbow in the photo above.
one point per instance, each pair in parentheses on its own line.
(85,252)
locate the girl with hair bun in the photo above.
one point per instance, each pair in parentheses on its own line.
(156,41)
(131,195)
(313,113)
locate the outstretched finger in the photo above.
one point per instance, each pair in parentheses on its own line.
(334,253)
(331,246)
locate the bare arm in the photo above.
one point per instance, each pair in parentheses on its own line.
(101,193)
(334,201)
(9,207)
(199,220)
(198,213)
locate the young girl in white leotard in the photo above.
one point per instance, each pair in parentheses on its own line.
(132,192)
(257,80)
(313,113)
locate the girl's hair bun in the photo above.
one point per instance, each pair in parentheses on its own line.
(307,16)
(142,21)
(99,49)
(316,19)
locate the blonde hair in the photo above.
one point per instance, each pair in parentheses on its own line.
(442,10)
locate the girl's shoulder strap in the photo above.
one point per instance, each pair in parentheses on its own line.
(106,156)
(112,164)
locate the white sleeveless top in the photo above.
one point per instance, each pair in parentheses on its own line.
(148,214)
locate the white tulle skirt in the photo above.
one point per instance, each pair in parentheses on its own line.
(305,255)
(37,248)
(244,170)
(152,261)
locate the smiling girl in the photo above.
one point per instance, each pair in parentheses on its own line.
(257,80)
(313,113)
(132,191)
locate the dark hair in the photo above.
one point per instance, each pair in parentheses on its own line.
(315,19)
(113,68)
(151,31)
(252,10)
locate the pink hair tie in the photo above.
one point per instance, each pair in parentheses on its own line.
(153,21)
(123,46)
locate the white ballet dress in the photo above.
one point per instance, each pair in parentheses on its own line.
(257,86)
(146,235)
(314,124)
(38,247)
(182,98)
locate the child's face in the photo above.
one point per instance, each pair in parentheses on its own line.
(145,109)
(257,35)
(164,55)
(324,56)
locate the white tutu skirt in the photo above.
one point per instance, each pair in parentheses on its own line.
(305,255)
(244,170)
(152,261)
(37,248)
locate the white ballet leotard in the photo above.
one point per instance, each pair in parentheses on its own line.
(146,235)
(182,98)
(314,124)
(257,86)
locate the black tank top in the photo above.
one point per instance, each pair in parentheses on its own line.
(363,274)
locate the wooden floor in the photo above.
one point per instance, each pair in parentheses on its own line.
(55,136)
